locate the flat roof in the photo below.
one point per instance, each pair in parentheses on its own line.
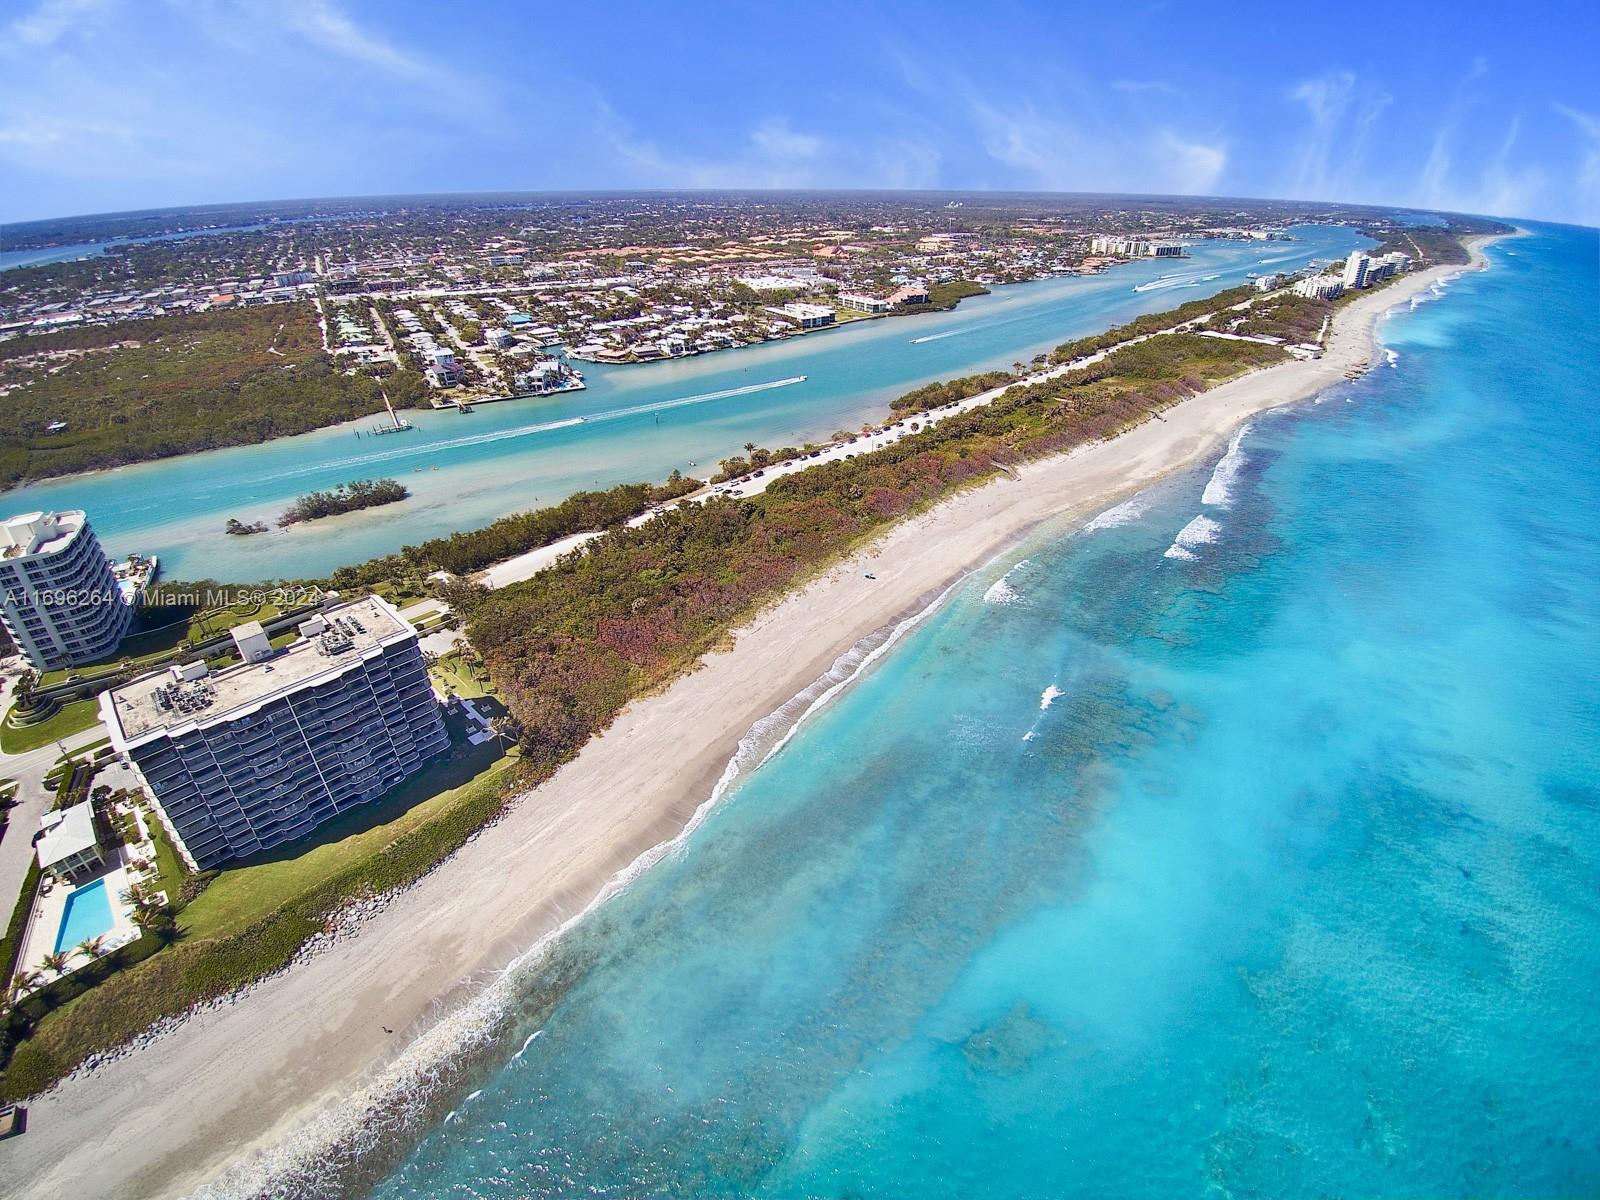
(159,703)
(23,533)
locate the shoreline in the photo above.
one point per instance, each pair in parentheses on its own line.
(305,1044)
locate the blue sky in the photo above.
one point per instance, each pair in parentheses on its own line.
(121,104)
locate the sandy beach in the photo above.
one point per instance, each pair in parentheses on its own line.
(244,1077)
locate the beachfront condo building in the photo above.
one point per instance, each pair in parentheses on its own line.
(1133,247)
(58,596)
(1355,270)
(1320,287)
(261,753)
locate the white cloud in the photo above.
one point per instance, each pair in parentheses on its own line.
(1137,87)
(1588,180)
(774,156)
(54,19)
(773,139)
(1059,154)
(1196,165)
(1343,110)
(325,27)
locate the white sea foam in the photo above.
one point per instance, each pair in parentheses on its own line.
(425,1065)
(1201,531)
(1126,513)
(1048,696)
(1219,488)
(1001,592)
(1028,737)
(1391,358)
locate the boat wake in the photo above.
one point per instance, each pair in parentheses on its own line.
(934,337)
(415,450)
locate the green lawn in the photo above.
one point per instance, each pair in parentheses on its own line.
(456,675)
(150,646)
(242,894)
(72,718)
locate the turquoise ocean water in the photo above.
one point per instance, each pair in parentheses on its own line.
(640,422)
(1248,857)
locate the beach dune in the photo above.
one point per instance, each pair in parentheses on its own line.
(241,1078)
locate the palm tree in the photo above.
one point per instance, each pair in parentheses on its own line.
(506,729)
(749,447)
(133,894)
(55,962)
(92,947)
(24,982)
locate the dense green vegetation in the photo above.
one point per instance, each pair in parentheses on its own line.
(936,395)
(948,295)
(171,385)
(347,497)
(461,553)
(1150,323)
(1428,245)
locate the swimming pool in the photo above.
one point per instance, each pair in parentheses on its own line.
(87,915)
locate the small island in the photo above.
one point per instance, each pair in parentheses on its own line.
(348,497)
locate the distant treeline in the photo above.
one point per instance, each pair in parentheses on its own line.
(462,553)
(347,497)
(196,382)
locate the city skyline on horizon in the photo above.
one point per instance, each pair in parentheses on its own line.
(346,100)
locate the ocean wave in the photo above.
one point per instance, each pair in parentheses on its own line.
(1201,531)
(427,1069)
(1390,357)
(1219,488)
(1001,592)
(1126,513)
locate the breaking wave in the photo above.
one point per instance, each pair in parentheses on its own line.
(1201,531)
(1126,513)
(1219,488)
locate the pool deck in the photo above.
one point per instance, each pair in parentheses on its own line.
(50,907)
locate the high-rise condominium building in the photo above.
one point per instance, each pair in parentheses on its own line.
(261,753)
(58,596)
